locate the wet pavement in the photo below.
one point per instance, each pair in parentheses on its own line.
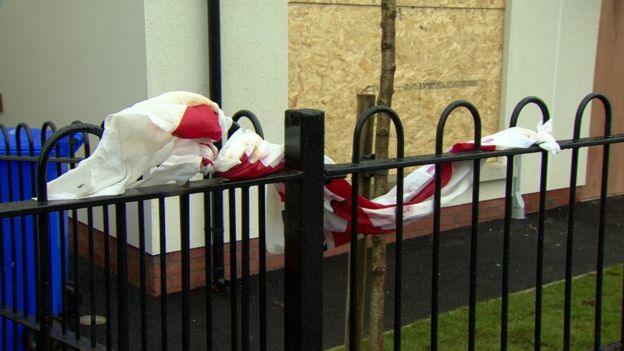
(454,269)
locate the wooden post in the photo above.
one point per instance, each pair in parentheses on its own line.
(365,101)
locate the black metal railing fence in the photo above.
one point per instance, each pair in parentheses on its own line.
(359,166)
(74,325)
(303,273)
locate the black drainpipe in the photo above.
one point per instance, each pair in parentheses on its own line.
(213,205)
(214,47)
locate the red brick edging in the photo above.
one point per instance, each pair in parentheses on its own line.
(452,218)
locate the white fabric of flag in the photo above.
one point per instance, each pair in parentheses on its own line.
(171,138)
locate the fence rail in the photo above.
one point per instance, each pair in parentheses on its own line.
(358,166)
(48,329)
(52,321)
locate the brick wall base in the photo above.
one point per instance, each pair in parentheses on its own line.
(452,218)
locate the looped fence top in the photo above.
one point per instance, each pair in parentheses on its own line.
(527,101)
(359,127)
(255,122)
(476,117)
(581,110)
(50,143)
(29,137)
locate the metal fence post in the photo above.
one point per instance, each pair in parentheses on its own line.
(45,320)
(303,231)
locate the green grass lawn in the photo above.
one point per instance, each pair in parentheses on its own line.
(453,325)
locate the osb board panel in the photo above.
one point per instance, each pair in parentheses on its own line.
(442,55)
(419,3)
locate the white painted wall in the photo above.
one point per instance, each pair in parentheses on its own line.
(254,36)
(176,36)
(254,51)
(176,39)
(549,52)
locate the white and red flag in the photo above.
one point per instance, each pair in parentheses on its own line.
(171,138)
(165,138)
(168,138)
(377,216)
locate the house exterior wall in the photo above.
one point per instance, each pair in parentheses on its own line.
(549,52)
(69,60)
(77,60)
(72,60)
(254,74)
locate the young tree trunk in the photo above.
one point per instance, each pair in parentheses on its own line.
(382,135)
(386,87)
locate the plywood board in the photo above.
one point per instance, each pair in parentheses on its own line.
(414,3)
(443,54)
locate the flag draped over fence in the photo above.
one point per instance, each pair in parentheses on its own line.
(172,138)
(167,138)
(377,216)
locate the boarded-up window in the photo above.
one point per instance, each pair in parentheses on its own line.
(446,50)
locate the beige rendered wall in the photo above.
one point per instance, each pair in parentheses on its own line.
(68,60)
